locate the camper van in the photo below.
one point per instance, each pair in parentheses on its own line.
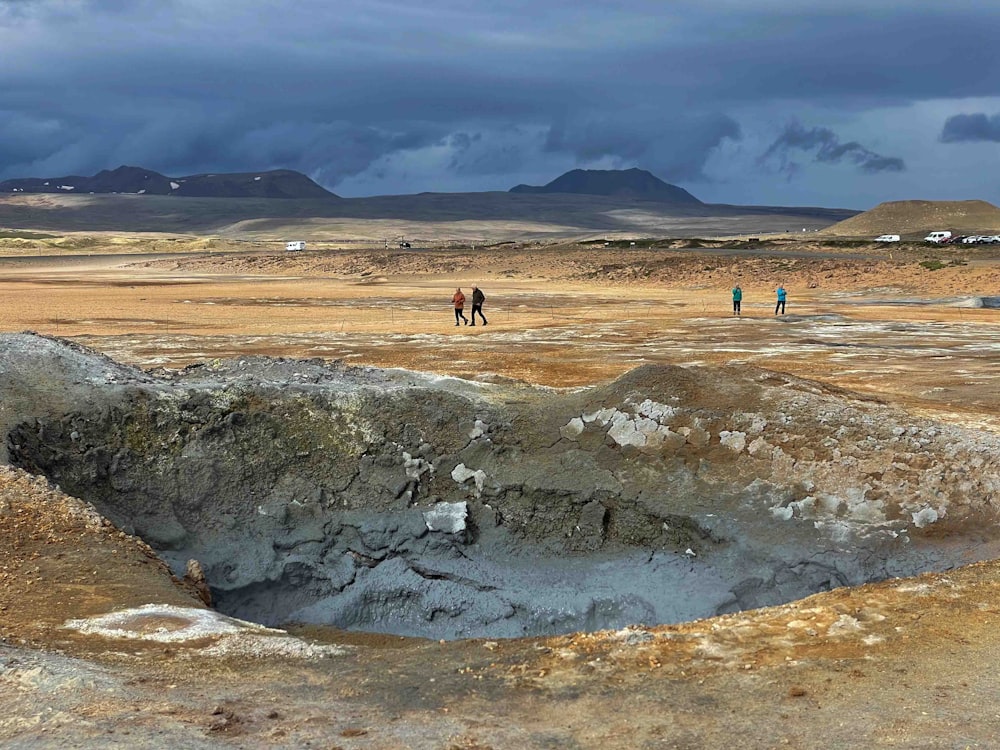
(937,237)
(294,246)
(887,238)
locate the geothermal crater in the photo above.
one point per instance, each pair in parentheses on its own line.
(402,502)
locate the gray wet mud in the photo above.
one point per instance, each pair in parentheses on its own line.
(393,501)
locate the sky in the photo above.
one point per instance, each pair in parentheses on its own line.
(754,102)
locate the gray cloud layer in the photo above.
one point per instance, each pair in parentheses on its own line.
(974,127)
(675,146)
(826,146)
(488,95)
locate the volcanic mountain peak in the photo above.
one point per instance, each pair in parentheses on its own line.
(279,183)
(636,183)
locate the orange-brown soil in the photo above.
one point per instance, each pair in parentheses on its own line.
(898,664)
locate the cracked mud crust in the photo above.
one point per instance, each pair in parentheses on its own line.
(900,663)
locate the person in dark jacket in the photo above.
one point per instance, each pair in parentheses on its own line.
(478,298)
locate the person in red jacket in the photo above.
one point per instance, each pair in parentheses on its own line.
(458,299)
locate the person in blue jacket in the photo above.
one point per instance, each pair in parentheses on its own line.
(780,291)
(737,299)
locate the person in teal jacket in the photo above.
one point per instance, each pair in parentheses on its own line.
(737,299)
(780,291)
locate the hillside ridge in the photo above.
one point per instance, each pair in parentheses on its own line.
(635,182)
(917,217)
(277,183)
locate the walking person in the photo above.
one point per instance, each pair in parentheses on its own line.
(478,298)
(780,291)
(737,300)
(458,299)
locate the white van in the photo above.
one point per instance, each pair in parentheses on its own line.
(937,237)
(887,238)
(293,246)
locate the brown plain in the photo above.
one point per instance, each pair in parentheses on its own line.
(876,319)
(871,318)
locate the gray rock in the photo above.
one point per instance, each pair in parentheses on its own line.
(447,517)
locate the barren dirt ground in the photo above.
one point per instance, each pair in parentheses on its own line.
(872,319)
(899,664)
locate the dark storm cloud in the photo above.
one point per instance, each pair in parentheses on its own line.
(489,90)
(495,153)
(826,147)
(68,10)
(24,136)
(673,146)
(12,10)
(865,53)
(341,149)
(974,127)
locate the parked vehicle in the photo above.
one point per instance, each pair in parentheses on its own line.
(887,238)
(294,246)
(966,239)
(937,237)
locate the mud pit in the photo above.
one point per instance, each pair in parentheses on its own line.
(417,505)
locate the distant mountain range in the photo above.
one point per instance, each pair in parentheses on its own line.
(621,183)
(280,183)
(596,203)
(285,183)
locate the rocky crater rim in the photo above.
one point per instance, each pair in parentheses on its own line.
(408,503)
